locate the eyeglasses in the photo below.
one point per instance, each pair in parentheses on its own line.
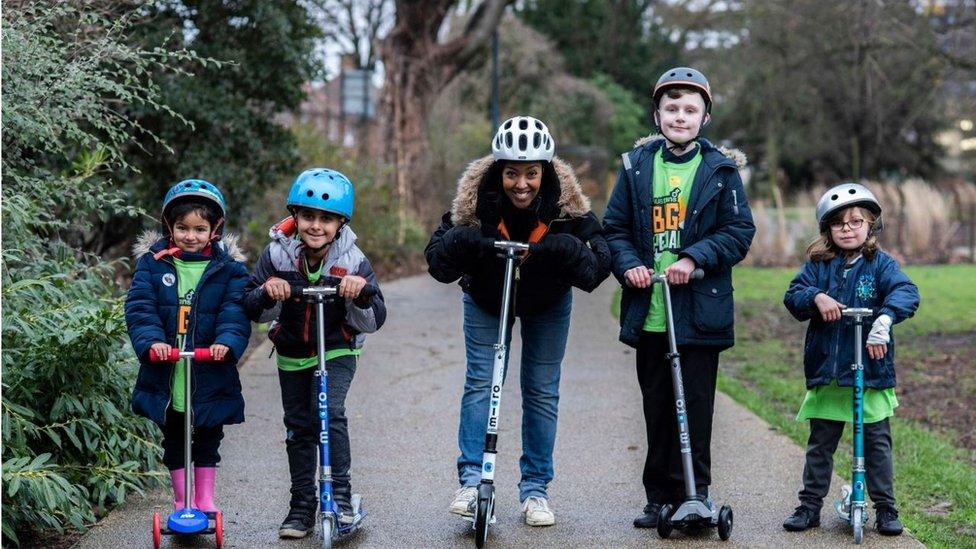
(854,225)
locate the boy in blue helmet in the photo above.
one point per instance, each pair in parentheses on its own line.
(315,245)
(186,292)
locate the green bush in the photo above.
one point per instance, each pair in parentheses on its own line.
(71,447)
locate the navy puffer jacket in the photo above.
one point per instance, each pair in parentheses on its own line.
(216,316)
(828,353)
(717,232)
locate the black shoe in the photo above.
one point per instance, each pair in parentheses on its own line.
(300,521)
(801,519)
(342,495)
(649,518)
(887,523)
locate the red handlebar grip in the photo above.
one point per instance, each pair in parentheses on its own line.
(174,355)
(202,354)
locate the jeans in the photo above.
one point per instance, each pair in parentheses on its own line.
(299,398)
(543,347)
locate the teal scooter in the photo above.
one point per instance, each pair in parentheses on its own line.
(852,507)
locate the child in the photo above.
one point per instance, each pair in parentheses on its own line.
(847,269)
(323,251)
(678,205)
(186,293)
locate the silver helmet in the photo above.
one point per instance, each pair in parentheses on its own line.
(523,138)
(846,195)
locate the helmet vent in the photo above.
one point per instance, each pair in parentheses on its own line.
(523,143)
(536,140)
(325,196)
(834,197)
(508,139)
(523,124)
(309,193)
(508,124)
(188,185)
(852,191)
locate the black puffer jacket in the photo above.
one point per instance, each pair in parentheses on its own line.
(541,280)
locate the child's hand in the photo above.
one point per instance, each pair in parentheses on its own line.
(679,272)
(877,352)
(161,349)
(218,352)
(639,277)
(277,288)
(351,285)
(830,309)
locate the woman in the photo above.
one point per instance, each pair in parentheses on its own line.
(523,193)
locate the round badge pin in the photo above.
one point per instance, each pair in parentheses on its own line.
(169,279)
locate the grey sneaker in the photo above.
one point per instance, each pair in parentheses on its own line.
(465,499)
(537,512)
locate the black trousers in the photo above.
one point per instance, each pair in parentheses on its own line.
(204,445)
(299,398)
(824,436)
(663,473)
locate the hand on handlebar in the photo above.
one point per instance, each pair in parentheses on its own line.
(160,350)
(277,289)
(639,277)
(680,271)
(350,286)
(218,352)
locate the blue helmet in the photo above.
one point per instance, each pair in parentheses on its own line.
(195,188)
(322,189)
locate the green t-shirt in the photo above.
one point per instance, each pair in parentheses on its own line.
(837,403)
(291,364)
(188,275)
(671,186)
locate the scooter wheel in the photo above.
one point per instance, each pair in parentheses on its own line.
(157,532)
(482,517)
(219,529)
(327,529)
(857,521)
(724,522)
(664,526)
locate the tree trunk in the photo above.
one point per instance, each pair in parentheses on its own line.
(418,67)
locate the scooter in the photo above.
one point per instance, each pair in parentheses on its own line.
(187,521)
(485,510)
(852,507)
(332,529)
(693,513)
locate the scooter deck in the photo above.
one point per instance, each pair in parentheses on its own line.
(210,529)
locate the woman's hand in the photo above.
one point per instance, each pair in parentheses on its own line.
(830,309)
(639,277)
(218,352)
(679,272)
(350,286)
(463,240)
(877,352)
(277,289)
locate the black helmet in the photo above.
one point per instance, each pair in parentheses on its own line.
(685,77)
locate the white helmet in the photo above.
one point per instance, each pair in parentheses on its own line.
(523,138)
(846,195)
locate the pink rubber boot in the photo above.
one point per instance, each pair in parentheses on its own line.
(176,476)
(204,479)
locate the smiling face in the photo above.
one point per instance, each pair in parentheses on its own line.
(521,182)
(191,232)
(316,227)
(849,228)
(680,118)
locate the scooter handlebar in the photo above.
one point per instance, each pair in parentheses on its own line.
(697,274)
(509,245)
(860,311)
(203,354)
(298,290)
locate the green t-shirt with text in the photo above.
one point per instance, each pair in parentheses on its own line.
(188,274)
(671,188)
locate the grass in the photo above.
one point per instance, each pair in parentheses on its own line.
(935,481)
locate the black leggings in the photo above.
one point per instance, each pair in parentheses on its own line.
(203,448)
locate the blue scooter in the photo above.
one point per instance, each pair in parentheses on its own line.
(332,529)
(485,509)
(693,513)
(852,507)
(187,521)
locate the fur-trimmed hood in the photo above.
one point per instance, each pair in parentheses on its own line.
(737,156)
(571,203)
(229,243)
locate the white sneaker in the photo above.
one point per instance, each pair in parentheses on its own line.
(464,501)
(537,512)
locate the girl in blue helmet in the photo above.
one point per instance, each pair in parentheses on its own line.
(186,292)
(315,245)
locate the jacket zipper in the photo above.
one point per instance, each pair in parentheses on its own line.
(735,201)
(308,316)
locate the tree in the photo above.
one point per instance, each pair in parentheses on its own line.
(268,51)
(418,64)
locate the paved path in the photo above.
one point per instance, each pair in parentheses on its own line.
(403,409)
